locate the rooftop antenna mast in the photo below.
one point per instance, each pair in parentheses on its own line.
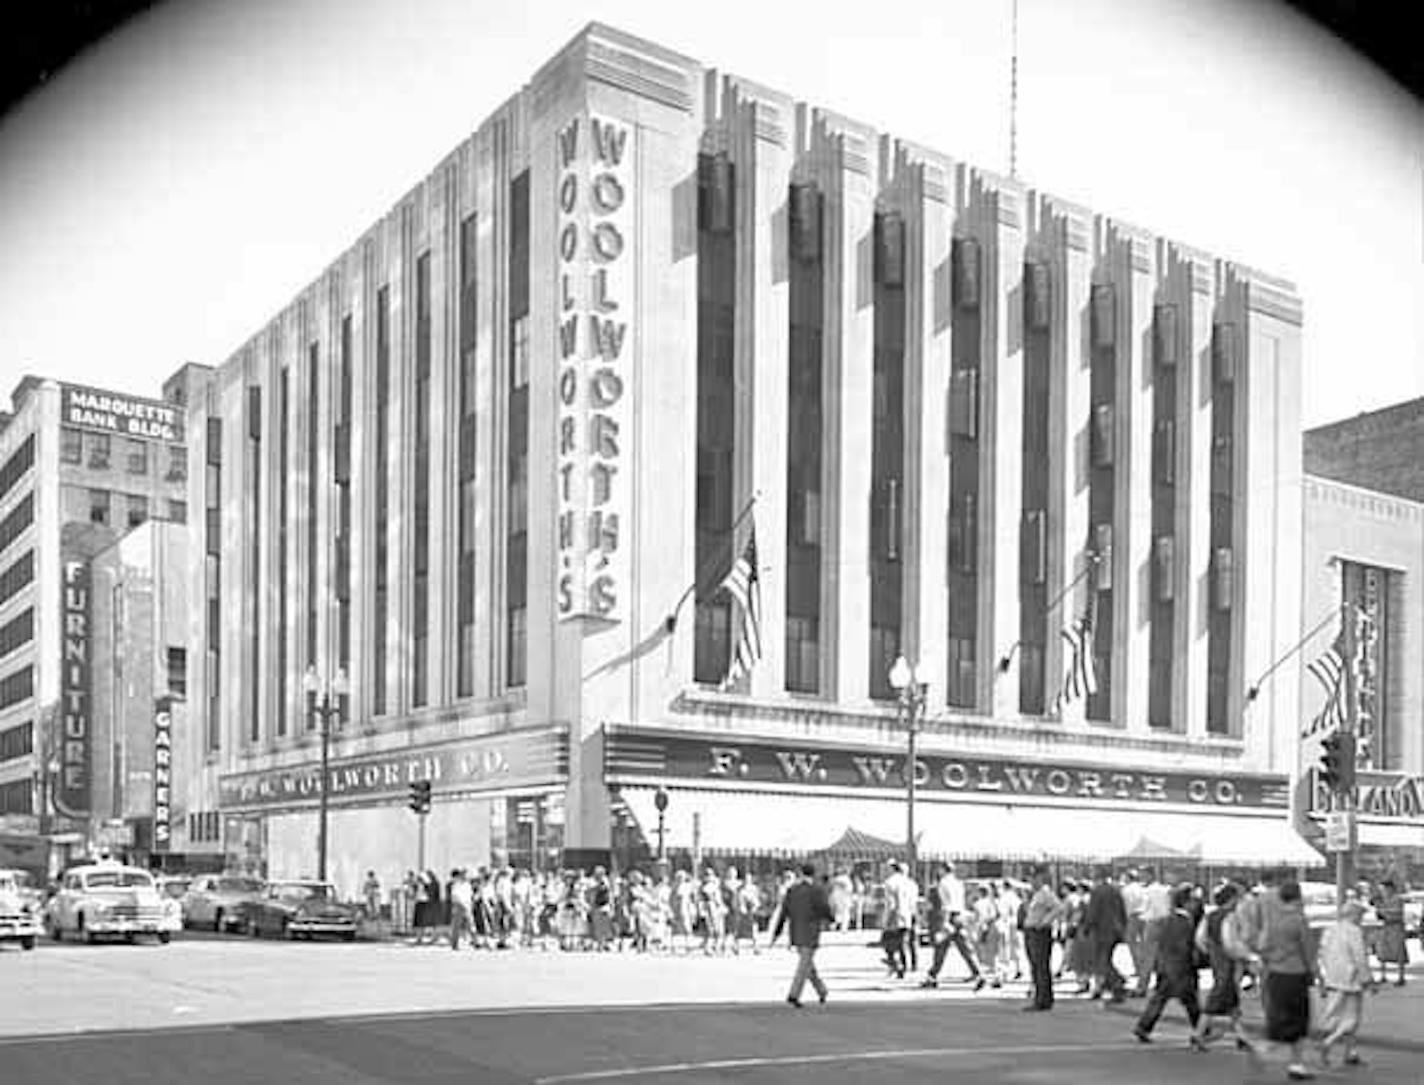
(1014,93)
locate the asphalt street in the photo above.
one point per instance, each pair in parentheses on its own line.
(234,1011)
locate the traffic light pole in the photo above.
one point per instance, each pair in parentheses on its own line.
(420,842)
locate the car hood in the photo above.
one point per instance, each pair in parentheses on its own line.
(325,908)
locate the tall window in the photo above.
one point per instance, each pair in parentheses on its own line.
(1164,513)
(1102,442)
(341,476)
(213,577)
(177,671)
(284,418)
(804,429)
(20,462)
(420,604)
(314,592)
(963,556)
(254,473)
(383,437)
(1225,349)
(465,495)
(517,530)
(716,412)
(1033,528)
(887,453)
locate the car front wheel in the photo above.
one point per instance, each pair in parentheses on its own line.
(28,942)
(217,921)
(163,937)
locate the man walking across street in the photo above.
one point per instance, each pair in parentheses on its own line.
(1105,925)
(1134,901)
(804,911)
(1176,968)
(1043,910)
(949,891)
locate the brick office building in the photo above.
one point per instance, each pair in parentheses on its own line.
(493,461)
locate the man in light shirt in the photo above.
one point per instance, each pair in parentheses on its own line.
(1043,912)
(1134,899)
(951,929)
(902,898)
(1155,913)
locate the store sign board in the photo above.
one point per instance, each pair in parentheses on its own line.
(484,764)
(129,416)
(162,773)
(1389,796)
(72,788)
(634,754)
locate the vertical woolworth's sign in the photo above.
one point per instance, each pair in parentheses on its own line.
(71,793)
(595,351)
(162,773)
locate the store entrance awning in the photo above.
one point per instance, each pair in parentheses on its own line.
(761,822)
(807,824)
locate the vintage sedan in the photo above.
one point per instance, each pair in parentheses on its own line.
(19,914)
(110,899)
(216,900)
(300,909)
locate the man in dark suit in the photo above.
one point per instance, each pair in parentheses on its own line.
(805,910)
(1105,924)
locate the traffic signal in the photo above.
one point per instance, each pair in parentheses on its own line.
(420,797)
(1337,762)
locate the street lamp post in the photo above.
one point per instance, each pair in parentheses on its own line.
(912,703)
(324,699)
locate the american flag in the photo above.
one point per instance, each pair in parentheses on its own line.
(1079,677)
(1329,671)
(744,585)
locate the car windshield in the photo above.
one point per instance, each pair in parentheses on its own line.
(8,884)
(302,891)
(175,888)
(238,885)
(119,879)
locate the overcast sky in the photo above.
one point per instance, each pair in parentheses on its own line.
(169,191)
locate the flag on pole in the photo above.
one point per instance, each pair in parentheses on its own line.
(1079,675)
(1329,671)
(744,585)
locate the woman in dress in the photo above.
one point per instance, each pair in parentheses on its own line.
(987,942)
(711,913)
(683,910)
(1390,945)
(748,904)
(1288,957)
(572,912)
(1224,998)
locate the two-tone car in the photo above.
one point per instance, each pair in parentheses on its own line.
(108,899)
(216,900)
(19,915)
(300,909)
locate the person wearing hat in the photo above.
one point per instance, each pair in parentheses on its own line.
(805,911)
(1345,975)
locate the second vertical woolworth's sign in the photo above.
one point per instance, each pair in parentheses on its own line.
(595,351)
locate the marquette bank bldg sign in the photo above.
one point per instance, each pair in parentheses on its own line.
(105,412)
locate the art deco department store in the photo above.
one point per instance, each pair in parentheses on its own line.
(493,461)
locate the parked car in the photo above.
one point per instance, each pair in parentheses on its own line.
(300,909)
(19,914)
(108,898)
(216,900)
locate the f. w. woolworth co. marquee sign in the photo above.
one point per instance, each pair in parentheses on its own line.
(633,754)
(509,760)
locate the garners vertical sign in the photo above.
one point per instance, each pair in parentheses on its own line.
(162,773)
(595,352)
(71,797)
